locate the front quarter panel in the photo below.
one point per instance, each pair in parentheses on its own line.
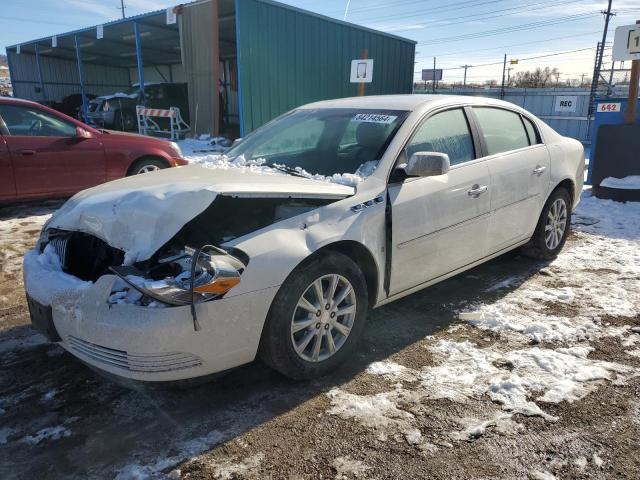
(277,250)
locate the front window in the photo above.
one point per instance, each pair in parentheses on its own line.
(33,122)
(323,141)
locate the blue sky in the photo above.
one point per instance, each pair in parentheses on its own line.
(457,32)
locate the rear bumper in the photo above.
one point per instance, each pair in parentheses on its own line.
(156,344)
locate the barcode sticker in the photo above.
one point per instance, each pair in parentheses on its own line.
(374,118)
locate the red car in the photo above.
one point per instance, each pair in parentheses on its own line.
(46,154)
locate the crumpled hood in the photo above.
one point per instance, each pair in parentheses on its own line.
(139,214)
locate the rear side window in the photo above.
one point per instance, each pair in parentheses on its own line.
(445,132)
(532,133)
(503,130)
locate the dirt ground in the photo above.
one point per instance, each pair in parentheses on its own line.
(378,417)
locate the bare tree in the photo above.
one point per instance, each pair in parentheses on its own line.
(540,77)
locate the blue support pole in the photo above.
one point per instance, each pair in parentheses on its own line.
(42,90)
(136,31)
(81,78)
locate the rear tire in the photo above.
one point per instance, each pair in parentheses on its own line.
(553,227)
(295,340)
(124,121)
(146,165)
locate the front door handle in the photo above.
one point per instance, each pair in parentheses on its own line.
(539,170)
(27,152)
(477,190)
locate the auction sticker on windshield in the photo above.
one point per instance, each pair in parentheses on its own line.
(374,118)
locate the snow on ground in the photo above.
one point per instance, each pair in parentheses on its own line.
(546,334)
(50,433)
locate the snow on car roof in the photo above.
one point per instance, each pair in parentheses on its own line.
(402,102)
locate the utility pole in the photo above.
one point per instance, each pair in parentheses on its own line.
(433,83)
(122,8)
(599,54)
(464,83)
(504,71)
(557,79)
(582,81)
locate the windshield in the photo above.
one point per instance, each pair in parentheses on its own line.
(324,141)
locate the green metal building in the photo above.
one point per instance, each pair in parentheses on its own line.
(244,61)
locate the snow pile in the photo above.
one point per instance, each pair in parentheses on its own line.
(192,148)
(15,234)
(45,279)
(186,450)
(228,470)
(515,380)
(50,433)
(347,467)
(517,373)
(631,182)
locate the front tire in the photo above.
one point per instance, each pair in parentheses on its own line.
(146,165)
(316,318)
(552,228)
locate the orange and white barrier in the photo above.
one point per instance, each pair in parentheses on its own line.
(147,125)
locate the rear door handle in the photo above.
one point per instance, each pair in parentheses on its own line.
(477,190)
(539,170)
(27,152)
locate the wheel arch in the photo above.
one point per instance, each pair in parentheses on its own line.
(357,252)
(141,158)
(567,184)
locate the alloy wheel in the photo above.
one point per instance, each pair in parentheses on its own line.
(148,168)
(556,224)
(323,318)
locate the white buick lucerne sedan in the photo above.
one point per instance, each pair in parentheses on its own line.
(281,249)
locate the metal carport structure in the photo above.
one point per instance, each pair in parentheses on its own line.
(261,58)
(97,60)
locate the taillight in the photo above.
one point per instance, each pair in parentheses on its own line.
(105,106)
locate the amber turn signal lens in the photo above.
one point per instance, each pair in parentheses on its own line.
(218,287)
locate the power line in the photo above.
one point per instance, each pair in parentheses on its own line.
(511,29)
(501,47)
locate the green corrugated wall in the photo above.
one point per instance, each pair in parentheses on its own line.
(287,57)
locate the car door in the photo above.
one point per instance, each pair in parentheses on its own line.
(7,182)
(519,166)
(439,224)
(47,156)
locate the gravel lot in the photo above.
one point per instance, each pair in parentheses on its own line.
(514,369)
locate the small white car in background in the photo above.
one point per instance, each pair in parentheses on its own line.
(327,211)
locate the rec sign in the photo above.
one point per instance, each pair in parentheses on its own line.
(566,103)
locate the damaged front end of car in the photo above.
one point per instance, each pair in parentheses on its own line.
(191,267)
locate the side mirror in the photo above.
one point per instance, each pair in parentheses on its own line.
(82,134)
(426,164)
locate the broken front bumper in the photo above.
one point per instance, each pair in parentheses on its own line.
(157,344)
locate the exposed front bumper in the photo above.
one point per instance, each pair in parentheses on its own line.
(101,119)
(156,344)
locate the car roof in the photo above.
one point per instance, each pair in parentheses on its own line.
(17,100)
(404,102)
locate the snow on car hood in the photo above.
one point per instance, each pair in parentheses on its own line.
(141,213)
